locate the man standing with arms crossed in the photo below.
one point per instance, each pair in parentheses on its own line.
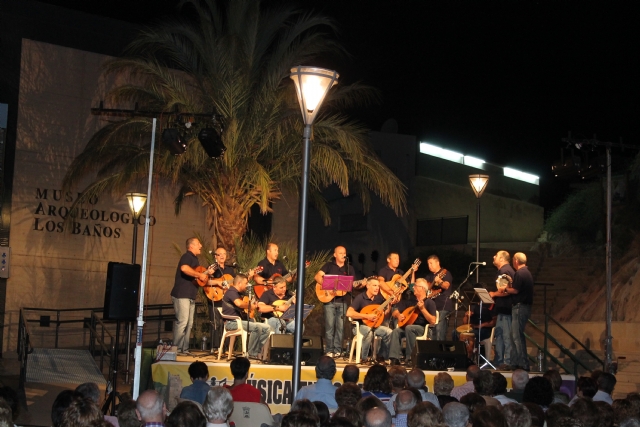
(502,334)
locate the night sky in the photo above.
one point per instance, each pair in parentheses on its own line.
(503,81)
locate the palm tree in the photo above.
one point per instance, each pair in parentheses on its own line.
(232,58)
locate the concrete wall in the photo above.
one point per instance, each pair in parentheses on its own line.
(56,268)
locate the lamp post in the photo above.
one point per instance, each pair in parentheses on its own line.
(136,203)
(478,184)
(312,85)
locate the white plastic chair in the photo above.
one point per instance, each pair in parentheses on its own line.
(232,335)
(356,344)
(250,414)
(425,336)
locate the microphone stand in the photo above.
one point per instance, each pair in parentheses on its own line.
(458,300)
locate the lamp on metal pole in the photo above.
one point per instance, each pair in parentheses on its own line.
(312,85)
(478,184)
(136,203)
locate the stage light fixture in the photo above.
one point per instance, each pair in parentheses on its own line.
(174,142)
(212,142)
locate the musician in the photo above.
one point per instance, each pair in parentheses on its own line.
(502,334)
(184,292)
(334,310)
(233,305)
(267,309)
(521,301)
(426,310)
(387,272)
(443,302)
(271,265)
(482,331)
(364,299)
(220,256)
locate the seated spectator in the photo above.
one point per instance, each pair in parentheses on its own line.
(351,374)
(516,415)
(340,422)
(323,390)
(404,402)
(445,400)
(6,414)
(489,416)
(622,410)
(442,384)
(634,398)
(398,378)
(606,383)
(306,406)
(553,376)
(92,392)
(11,397)
(350,413)
(217,407)
(631,422)
(367,403)
(348,394)
(376,383)
(199,374)
(585,387)
(416,379)
(555,412)
(81,412)
(539,391)
(537,414)
(150,408)
(500,389)
(605,414)
(377,417)
(569,422)
(240,390)
(322,411)
(483,383)
(299,419)
(585,411)
(459,391)
(519,380)
(62,402)
(455,414)
(425,414)
(473,402)
(127,414)
(186,414)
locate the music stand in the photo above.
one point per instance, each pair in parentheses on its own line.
(336,282)
(290,314)
(483,296)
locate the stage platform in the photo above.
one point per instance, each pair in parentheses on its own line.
(274,381)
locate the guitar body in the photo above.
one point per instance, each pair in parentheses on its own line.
(251,312)
(410,315)
(395,281)
(201,269)
(261,289)
(373,309)
(216,288)
(326,296)
(432,294)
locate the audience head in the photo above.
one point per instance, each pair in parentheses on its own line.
(6,417)
(622,410)
(519,379)
(516,415)
(127,414)
(631,422)
(150,407)
(377,379)
(326,368)
(81,412)
(377,417)
(306,406)
(488,416)
(351,374)
(405,401)
(198,371)
(605,414)
(569,422)
(538,390)
(483,383)
(218,405)
(606,382)
(416,393)
(348,394)
(424,414)
(595,374)
(455,414)
(398,376)
(369,402)
(553,376)
(11,397)
(351,413)
(473,402)
(585,411)
(444,400)
(586,387)
(239,368)
(442,384)
(472,372)
(299,419)
(537,414)
(340,422)
(186,414)
(634,398)
(555,412)
(416,378)
(90,391)
(62,402)
(499,384)
(323,411)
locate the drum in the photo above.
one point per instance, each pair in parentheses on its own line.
(469,340)
(464,329)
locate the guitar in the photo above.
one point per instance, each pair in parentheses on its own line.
(216,288)
(398,280)
(326,296)
(280,303)
(432,293)
(200,269)
(259,289)
(378,309)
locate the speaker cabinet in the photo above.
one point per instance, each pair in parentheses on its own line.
(282,349)
(439,355)
(121,294)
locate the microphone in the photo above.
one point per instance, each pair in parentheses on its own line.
(479,263)
(284,258)
(234,265)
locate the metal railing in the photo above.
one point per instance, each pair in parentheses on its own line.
(24,348)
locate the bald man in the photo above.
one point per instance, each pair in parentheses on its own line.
(150,408)
(521,299)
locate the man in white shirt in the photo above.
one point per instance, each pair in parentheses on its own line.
(606,384)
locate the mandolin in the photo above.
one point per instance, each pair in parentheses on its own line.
(378,309)
(397,280)
(280,303)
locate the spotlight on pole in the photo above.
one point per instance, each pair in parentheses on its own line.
(212,143)
(174,141)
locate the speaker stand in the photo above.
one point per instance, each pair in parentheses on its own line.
(113,376)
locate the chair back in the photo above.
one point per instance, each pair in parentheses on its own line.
(250,414)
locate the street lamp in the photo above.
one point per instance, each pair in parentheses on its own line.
(136,203)
(478,184)
(312,85)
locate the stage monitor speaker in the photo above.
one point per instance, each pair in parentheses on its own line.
(439,355)
(121,294)
(282,349)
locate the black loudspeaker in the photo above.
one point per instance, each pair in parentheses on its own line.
(439,355)
(121,294)
(282,349)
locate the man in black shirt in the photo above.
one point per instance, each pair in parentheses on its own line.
(364,299)
(521,298)
(502,335)
(220,256)
(387,272)
(427,316)
(440,279)
(233,305)
(270,265)
(184,292)
(273,312)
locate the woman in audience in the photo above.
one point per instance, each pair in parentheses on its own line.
(425,414)
(555,412)
(306,406)
(489,416)
(377,383)
(186,414)
(622,411)
(81,412)
(537,414)
(605,414)
(299,419)
(351,413)
(585,411)
(323,412)
(474,402)
(539,391)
